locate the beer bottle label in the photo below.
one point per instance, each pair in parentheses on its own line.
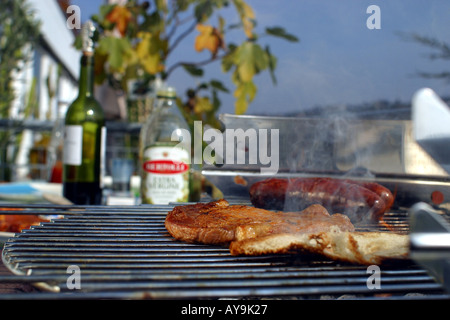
(166,175)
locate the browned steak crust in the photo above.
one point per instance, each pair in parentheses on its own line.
(218,222)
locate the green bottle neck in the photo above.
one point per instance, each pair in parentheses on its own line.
(86,82)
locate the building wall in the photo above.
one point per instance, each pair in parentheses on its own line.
(53,58)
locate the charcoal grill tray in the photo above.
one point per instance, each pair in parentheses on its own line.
(126,253)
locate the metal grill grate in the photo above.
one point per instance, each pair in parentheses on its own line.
(126,252)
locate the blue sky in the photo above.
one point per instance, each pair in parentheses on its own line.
(338,59)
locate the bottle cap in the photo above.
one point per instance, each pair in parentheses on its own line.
(87,34)
(168,92)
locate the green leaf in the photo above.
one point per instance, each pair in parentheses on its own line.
(117,49)
(203,10)
(193,70)
(182,5)
(229,60)
(280,32)
(161,5)
(202,86)
(260,57)
(250,59)
(218,86)
(153,23)
(272,64)
(105,10)
(78,43)
(216,102)
(245,61)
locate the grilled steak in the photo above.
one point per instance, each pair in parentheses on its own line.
(218,222)
(354,247)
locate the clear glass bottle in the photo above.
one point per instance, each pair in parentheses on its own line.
(85,135)
(165,156)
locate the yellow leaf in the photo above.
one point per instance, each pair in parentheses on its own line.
(247,20)
(240,106)
(244,94)
(247,16)
(120,16)
(209,39)
(202,105)
(148,52)
(246,71)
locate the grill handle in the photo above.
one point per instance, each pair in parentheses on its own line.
(430,242)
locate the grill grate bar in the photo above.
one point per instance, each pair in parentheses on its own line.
(225,274)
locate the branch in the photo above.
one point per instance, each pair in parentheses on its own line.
(178,23)
(194,64)
(181,37)
(441,75)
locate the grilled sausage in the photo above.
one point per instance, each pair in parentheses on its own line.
(357,200)
(382,191)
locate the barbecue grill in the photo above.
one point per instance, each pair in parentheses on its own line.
(124,252)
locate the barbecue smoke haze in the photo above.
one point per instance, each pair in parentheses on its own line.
(336,195)
(332,147)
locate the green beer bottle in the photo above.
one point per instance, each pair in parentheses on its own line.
(85,134)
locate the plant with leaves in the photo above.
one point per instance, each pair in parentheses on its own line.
(441,51)
(19,30)
(137,39)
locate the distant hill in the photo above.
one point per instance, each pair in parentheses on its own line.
(381,109)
